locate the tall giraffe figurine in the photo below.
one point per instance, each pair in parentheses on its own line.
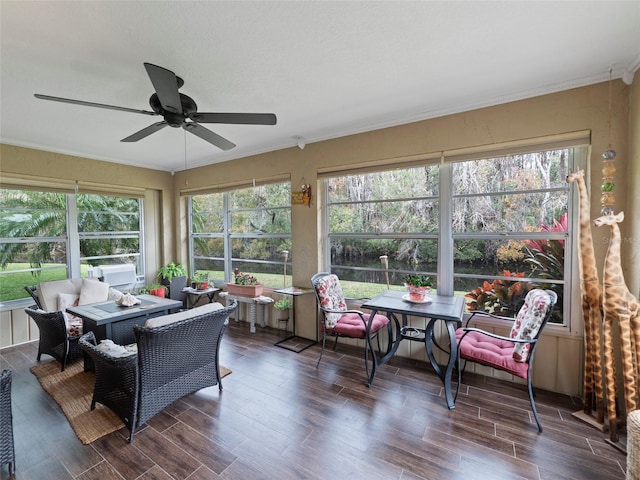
(591,291)
(619,304)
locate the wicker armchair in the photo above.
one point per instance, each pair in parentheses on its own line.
(7,450)
(173,360)
(33,291)
(54,337)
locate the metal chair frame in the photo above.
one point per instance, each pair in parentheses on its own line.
(327,332)
(532,342)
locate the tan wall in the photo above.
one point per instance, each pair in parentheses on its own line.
(560,367)
(574,110)
(632,207)
(27,163)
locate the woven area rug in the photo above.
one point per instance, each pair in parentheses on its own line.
(72,390)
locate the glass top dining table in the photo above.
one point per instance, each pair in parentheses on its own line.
(439,308)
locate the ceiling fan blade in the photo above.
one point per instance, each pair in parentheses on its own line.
(208,135)
(165,83)
(92,104)
(145,132)
(237,118)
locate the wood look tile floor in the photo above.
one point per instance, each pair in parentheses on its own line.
(279,417)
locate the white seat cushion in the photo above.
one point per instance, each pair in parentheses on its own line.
(176,317)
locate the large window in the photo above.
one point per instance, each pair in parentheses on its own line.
(393,213)
(510,220)
(246,229)
(506,227)
(109,230)
(50,236)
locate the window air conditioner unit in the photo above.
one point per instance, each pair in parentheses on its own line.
(121,277)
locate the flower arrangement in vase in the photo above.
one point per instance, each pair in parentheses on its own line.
(418,285)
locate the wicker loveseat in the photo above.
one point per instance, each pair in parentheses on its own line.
(177,354)
(59,332)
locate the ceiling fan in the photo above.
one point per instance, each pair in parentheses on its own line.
(178,110)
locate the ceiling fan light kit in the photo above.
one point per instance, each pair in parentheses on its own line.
(177,110)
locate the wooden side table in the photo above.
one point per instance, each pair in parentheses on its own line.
(252,301)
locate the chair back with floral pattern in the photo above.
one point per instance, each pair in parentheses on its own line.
(330,297)
(533,315)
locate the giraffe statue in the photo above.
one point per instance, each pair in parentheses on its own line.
(591,291)
(619,304)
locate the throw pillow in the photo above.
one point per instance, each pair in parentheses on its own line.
(67,300)
(73,323)
(93,291)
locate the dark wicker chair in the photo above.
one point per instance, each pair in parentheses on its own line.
(7,450)
(173,360)
(54,338)
(33,291)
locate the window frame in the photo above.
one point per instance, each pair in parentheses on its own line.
(446,237)
(72,238)
(228,235)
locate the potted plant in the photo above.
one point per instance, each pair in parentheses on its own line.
(200,280)
(174,276)
(167,272)
(157,290)
(418,285)
(244,285)
(282,307)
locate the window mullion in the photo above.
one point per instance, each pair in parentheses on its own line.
(228,262)
(445,241)
(73,242)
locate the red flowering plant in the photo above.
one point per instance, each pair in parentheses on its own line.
(244,278)
(546,259)
(501,297)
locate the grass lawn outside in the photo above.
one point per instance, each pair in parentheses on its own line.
(12,284)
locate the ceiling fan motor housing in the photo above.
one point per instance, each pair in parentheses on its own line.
(174,119)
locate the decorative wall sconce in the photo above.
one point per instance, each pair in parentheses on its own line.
(302,196)
(306,194)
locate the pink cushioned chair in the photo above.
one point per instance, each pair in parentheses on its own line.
(338,322)
(512,354)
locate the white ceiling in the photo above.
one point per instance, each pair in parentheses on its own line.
(325,68)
